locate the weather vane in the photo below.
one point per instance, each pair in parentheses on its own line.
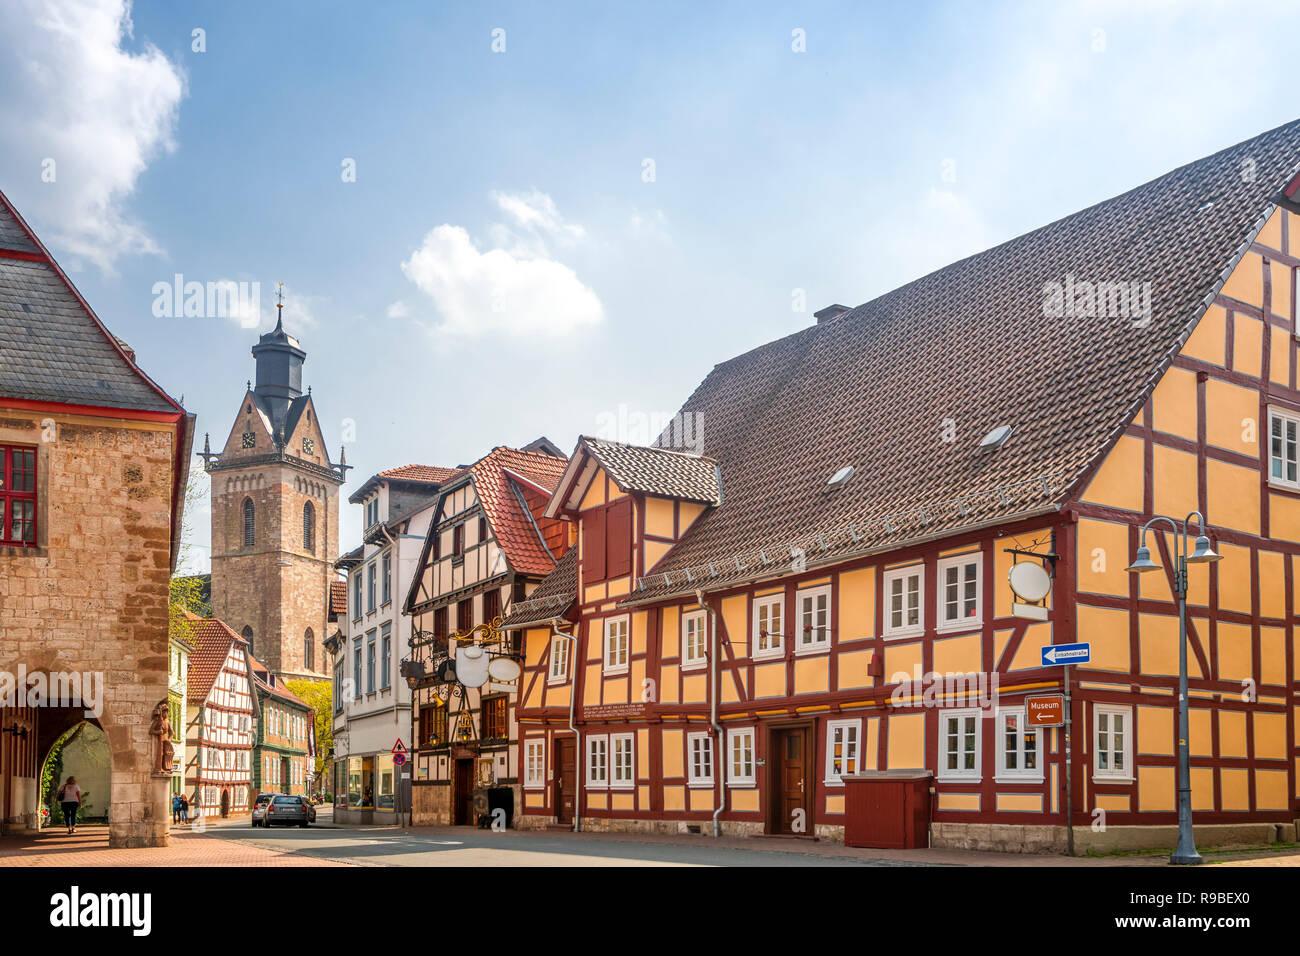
(279,302)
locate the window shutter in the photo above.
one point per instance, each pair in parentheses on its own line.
(619,539)
(593,545)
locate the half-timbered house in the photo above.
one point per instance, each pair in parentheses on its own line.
(219,722)
(489,545)
(744,630)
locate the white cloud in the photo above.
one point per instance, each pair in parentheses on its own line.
(74,95)
(480,293)
(398,310)
(536,211)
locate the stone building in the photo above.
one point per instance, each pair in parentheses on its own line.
(93,465)
(275,516)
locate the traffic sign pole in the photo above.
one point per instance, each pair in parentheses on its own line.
(1069,769)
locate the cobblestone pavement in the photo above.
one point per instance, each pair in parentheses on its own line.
(89,847)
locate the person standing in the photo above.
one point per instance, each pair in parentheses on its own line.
(70,801)
(185,809)
(176,808)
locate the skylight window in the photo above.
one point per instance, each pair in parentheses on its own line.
(838,479)
(996,438)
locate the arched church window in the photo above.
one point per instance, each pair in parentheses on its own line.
(309,650)
(309,527)
(249,523)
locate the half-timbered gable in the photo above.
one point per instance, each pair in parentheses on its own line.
(884,471)
(488,546)
(219,722)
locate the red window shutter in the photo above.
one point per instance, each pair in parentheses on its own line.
(593,545)
(618,535)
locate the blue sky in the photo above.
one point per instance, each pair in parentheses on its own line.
(502,267)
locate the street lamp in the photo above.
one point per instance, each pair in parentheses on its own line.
(1202,553)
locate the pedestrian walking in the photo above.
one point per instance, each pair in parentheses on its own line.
(70,799)
(185,810)
(176,808)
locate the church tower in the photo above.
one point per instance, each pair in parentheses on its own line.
(275,515)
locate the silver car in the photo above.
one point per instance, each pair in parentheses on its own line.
(287,809)
(260,806)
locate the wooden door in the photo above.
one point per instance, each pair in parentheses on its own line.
(788,787)
(566,779)
(463,789)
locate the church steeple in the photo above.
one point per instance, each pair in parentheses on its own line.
(279,368)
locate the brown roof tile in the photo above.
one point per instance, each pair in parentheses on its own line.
(905,386)
(212,640)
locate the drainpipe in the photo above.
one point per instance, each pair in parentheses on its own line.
(577,746)
(720,752)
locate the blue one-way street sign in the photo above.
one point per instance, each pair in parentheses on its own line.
(1057,655)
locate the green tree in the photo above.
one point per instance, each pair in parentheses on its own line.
(319,695)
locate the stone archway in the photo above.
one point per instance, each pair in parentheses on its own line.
(82,752)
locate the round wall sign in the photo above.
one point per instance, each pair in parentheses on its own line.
(504,669)
(1029,580)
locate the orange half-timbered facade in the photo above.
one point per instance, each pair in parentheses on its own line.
(822,598)
(219,724)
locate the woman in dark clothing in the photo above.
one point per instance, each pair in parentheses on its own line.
(70,800)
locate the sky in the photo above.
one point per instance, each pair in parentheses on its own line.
(496,221)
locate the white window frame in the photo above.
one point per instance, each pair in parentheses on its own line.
(611,628)
(1019,772)
(1112,710)
(745,737)
(769,601)
(693,777)
(535,763)
(560,654)
(832,778)
(823,644)
(700,623)
(942,622)
(960,714)
(1289,416)
(597,770)
(622,761)
(902,574)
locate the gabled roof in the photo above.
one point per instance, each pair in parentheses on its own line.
(54,348)
(212,641)
(338,598)
(512,487)
(904,387)
(431,475)
(552,597)
(641,468)
(268,683)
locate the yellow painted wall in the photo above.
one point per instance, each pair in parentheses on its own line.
(1174,401)
(1155,727)
(1107,630)
(769,680)
(1207,341)
(812,674)
(1232,417)
(852,670)
(1103,554)
(1029,654)
(1156,789)
(857,611)
(735,617)
(1236,657)
(958,655)
(659,517)
(906,747)
(1158,646)
(1021,802)
(673,754)
(1270,736)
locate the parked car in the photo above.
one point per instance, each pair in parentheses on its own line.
(260,806)
(290,809)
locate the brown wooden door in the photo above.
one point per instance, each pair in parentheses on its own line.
(463,792)
(788,782)
(566,779)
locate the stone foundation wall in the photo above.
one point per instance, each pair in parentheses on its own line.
(1052,839)
(92,598)
(430,805)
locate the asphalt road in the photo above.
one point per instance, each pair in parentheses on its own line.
(464,846)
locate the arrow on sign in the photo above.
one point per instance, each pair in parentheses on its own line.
(1058,655)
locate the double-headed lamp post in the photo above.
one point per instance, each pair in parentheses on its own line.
(1202,553)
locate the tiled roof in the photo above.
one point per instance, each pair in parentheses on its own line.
(212,640)
(262,680)
(657,471)
(434,474)
(518,526)
(904,387)
(52,347)
(552,596)
(338,597)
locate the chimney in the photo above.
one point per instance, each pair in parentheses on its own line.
(830,313)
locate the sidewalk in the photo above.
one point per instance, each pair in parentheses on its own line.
(89,847)
(931,857)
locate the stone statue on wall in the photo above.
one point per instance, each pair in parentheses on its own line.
(161,730)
